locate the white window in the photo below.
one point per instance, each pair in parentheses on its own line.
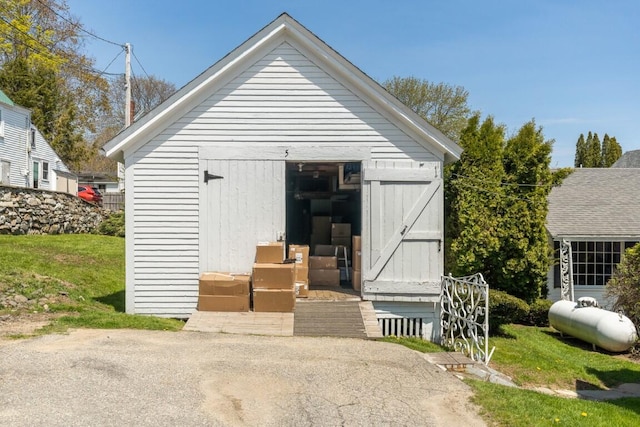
(1,125)
(45,171)
(32,138)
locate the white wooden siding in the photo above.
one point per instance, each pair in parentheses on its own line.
(14,144)
(243,208)
(283,99)
(164,231)
(398,318)
(402,203)
(13,148)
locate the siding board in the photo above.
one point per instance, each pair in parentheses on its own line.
(283,99)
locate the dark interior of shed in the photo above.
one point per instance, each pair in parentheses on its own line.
(321,189)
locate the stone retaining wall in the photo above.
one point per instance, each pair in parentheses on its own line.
(31,211)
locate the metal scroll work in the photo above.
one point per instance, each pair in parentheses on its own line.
(566,271)
(464,316)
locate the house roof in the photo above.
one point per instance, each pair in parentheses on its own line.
(630,159)
(596,203)
(5,99)
(283,28)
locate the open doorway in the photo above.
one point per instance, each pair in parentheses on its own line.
(324,211)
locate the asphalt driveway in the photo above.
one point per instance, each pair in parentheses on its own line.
(146,378)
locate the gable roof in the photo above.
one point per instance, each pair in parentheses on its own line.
(283,28)
(5,99)
(630,159)
(595,203)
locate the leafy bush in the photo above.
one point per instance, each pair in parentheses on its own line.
(505,309)
(624,286)
(538,313)
(112,226)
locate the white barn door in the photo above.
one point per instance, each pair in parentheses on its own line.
(241,204)
(402,254)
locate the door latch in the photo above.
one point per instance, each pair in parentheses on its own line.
(208,176)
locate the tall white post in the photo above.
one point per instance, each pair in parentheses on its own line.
(127,106)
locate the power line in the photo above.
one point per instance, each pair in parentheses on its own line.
(138,61)
(79,27)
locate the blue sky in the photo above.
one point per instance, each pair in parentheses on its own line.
(572,65)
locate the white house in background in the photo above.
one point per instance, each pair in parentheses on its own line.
(253,146)
(26,159)
(104,182)
(598,211)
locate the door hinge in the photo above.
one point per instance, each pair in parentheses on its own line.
(208,176)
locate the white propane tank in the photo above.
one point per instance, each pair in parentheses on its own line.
(603,328)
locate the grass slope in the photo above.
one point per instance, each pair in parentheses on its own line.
(81,275)
(540,357)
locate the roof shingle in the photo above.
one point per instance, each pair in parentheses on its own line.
(596,203)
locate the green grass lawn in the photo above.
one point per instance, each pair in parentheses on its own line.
(82,275)
(540,357)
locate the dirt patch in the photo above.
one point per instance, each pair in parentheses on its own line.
(24,323)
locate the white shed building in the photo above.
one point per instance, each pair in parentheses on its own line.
(277,119)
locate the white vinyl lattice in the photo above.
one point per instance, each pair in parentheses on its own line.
(464,316)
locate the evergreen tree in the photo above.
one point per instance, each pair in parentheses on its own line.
(474,199)
(581,149)
(594,153)
(524,255)
(606,147)
(614,152)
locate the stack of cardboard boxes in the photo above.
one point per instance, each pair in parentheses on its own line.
(300,254)
(320,231)
(223,292)
(323,267)
(273,280)
(356,262)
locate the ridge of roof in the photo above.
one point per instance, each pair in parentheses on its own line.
(284,25)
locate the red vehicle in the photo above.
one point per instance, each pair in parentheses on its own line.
(90,194)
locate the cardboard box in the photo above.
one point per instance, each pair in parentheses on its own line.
(322,262)
(301,274)
(341,241)
(325,250)
(341,230)
(324,277)
(356,262)
(356,243)
(315,240)
(302,289)
(356,280)
(300,253)
(274,300)
(273,276)
(269,252)
(321,228)
(223,302)
(223,284)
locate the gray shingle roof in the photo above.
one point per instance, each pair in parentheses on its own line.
(630,159)
(596,203)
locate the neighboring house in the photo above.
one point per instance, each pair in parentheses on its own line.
(26,159)
(630,159)
(104,182)
(276,119)
(598,211)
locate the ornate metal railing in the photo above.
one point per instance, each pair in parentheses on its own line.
(464,316)
(566,271)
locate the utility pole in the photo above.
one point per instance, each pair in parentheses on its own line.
(127,78)
(127,106)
